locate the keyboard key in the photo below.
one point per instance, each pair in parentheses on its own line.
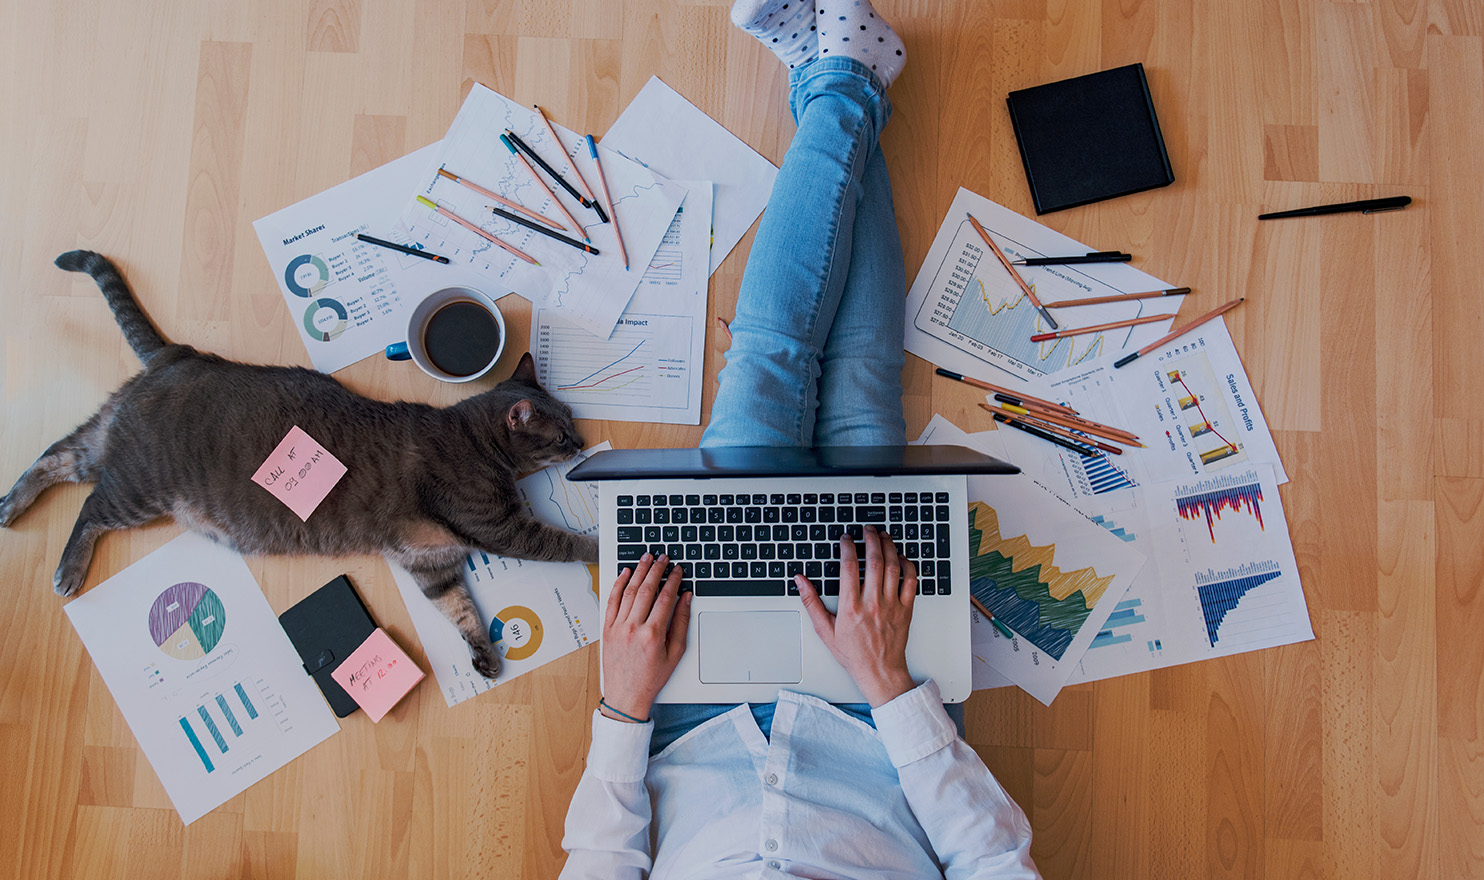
(826,498)
(689,534)
(835,531)
(747,587)
(752,514)
(785,551)
(942,498)
(739,569)
(894,514)
(675,500)
(909,549)
(927,569)
(794,568)
(708,534)
(770,514)
(790,514)
(749,550)
(926,588)
(814,570)
(811,498)
(727,500)
(760,499)
(909,531)
(708,500)
(827,514)
(776,569)
(692,501)
(661,514)
(642,500)
(799,532)
(832,568)
(941,514)
(823,550)
(818,533)
(675,551)
(726,533)
(744,533)
(856,532)
(656,549)
(878,497)
(794,498)
(652,534)
(716,514)
(862,498)
(775,498)
(945,542)
(671,534)
(698,514)
(641,516)
(720,569)
(625,501)
(895,498)
(701,570)
(679,515)
(809,514)
(713,551)
(630,552)
(625,516)
(768,550)
(909,497)
(693,552)
(628,534)
(944,578)
(871,514)
(803,551)
(731,551)
(734,514)
(758,569)
(780,533)
(830,587)
(844,514)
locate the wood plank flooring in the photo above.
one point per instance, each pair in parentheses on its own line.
(156,132)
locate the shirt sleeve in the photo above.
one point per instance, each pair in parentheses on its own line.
(975,828)
(607,831)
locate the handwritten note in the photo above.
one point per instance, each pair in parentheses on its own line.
(300,472)
(377,675)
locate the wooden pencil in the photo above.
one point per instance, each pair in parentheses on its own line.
(1122,297)
(1077,423)
(990,386)
(1098,328)
(514,206)
(592,150)
(536,178)
(1180,331)
(1004,261)
(476,230)
(1053,429)
(576,172)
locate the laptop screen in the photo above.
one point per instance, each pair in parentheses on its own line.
(783,461)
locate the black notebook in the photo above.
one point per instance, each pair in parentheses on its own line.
(1089,138)
(325,627)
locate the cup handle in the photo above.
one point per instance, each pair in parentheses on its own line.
(397,351)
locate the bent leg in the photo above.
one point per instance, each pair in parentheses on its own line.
(797,270)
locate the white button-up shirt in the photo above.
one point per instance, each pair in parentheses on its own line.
(827,797)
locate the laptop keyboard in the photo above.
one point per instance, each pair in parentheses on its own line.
(753,544)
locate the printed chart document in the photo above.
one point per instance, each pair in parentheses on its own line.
(536,611)
(349,299)
(1041,568)
(202,672)
(663,131)
(650,369)
(591,291)
(965,313)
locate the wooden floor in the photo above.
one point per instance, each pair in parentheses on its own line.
(156,132)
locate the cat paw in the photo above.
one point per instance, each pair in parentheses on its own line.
(587,550)
(65,584)
(486,661)
(7,512)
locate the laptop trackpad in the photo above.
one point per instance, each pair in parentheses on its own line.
(750,647)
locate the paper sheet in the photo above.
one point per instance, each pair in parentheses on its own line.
(965,312)
(201,670)
(671,136)
(1041,568)
(650,369)
(536,611)
(591,291)
(349,299)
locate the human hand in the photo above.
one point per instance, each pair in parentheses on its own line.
(644,630)
(868,634)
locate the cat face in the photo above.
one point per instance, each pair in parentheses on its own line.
(540,428)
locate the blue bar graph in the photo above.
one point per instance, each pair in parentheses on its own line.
(1125,613)
(200,752)
(1221,591)
(211,728)
(221,703)
(1102,476)
(246,703)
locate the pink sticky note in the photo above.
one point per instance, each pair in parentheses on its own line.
(377,674)
(300,472)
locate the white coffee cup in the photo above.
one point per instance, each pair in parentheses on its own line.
(464,329)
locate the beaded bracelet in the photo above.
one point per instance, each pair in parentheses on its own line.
(603,704)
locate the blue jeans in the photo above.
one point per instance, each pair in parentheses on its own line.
(816,356)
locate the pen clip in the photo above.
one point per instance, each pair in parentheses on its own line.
(1383,210)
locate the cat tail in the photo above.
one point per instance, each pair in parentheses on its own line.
(138,331)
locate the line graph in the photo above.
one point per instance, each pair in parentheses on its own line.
(646,362)
(1204,408)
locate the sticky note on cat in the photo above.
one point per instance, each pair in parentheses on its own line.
(377,674)
(300,472)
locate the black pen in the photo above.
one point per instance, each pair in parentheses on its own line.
(521,145)
(1364,206)
(516,218)
(1094,257)
(403,248)
(1044,435)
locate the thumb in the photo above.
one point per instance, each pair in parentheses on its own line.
(679,626)
(820,616)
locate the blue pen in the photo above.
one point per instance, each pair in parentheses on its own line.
(544,188)
(592,150)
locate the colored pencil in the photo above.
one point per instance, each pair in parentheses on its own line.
(416,252)
(989,615)
(515,206)
(1098,328)
(546,166)
(1122,297)
(513,218)
(577,172)
(536,178)
(1004,261)
(1044,435)
(1180,331)
(592,150)
(989,386)
(1047,426)
(476,230)
(1076,423)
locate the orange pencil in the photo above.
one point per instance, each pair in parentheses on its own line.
(1098,328)
(1051,429)
(541,183)
(476,230)
(577,172)
(1000,255)
(1122,297)
(592,150)
(1180,331)
(515,206)
(1076,423)
(990,386)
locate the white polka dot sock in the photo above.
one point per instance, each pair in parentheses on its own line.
(785,26)
(853,29)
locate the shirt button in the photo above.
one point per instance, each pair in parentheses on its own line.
(772,779)
(771,845)
(774,865)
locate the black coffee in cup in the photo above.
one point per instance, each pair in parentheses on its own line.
(461,338)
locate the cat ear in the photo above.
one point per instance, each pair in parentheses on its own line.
(520,414)
(525,371)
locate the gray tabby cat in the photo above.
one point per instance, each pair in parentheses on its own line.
(424,485)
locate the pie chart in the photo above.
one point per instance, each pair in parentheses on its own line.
(187,620)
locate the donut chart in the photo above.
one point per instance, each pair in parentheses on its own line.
(517,632)
(187,621)
(317,321)
(305,275)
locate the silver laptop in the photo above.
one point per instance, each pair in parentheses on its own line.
(743,521)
